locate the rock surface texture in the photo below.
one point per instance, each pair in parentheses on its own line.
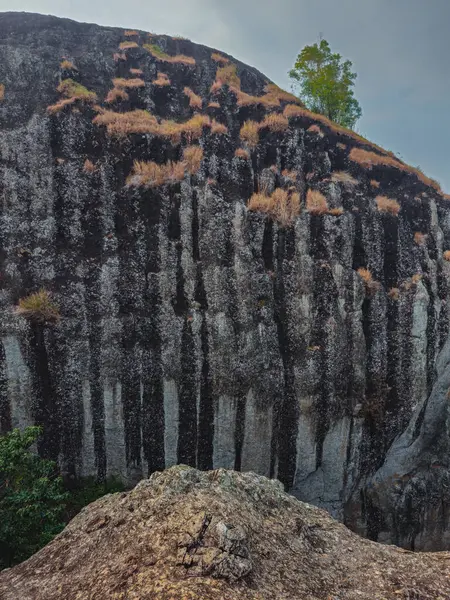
(296,336)
(187,534)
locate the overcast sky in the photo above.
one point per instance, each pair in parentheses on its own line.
(399,48)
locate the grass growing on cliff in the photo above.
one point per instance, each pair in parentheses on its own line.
(67,65)
(192,158)
(274,122)
(195,101)
(345,178)
(150,174)
(219,58)
(2,91)
(116,94)
(387,205)
(282,206)
(122,83)
(128,45)
(159,54)
(250,133)
(316,203)
(38,308)
(227,75)
(162,80)
(370,284)
(72,91)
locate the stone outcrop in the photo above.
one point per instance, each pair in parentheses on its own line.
(191,534)
(194,330)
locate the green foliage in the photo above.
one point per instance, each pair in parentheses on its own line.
(89,490)
(32,498)
(325,84)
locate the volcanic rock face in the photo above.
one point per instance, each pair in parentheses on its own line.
(190,534)
(298,340)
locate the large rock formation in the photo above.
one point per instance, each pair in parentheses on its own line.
(190,534)
(298,340)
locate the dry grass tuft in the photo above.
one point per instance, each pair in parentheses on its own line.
(67,65)
(123,84)
(72,91)
(192,157)
(219,58)
(276,92)
(336,212)
(274,122)
(128,45)
(446,255)
(316,203)
(213,105)
(121,124)
(387,205)
(119,56)
(420,238)
(218,128)
(394,293)
(159,54)
(281,206)
(374,183)
(292,110)
(250,133)
(130,33)
(195,101)
(341,146)
(244,99)
(228,75)
(315,129)
(138,72)
(39,308)
(216,86)
(242,153)
(89,166)
(150,174)
(416,278)
(370,284)
(344,178)
(162,80)
(2,91)
(116,94)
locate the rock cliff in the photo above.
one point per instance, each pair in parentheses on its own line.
(191,534)
(235,282)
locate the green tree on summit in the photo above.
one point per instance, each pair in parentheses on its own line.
(325,84)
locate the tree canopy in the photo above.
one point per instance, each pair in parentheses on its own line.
(325,83)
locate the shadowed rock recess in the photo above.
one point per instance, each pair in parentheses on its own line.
(186,534)
(294,333)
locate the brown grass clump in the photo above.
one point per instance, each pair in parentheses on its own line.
(67,65)
(420,238)
(116,94)
(416,278)
(122,83)
(228,75)
(130,33)
(370,284)
(315,129)
(280,206)
(273,90)
(213,105)
(394,293)
(341,146)
(195,101)
(150,174)
(218,128)
(192,157)
(387,205)
(159,54)
(336,212)
(2,91)
(274,122)
(244,99)
(219,58)
(72,91)
(374,183)
(193,128)
(121,124)
(128,45)
(242,153)
(344,178)
(292,110)
(162,80)
(136,72)
(446,255)
(89,166)
(250,133)
(316,203)
(119,56)
(39,308)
